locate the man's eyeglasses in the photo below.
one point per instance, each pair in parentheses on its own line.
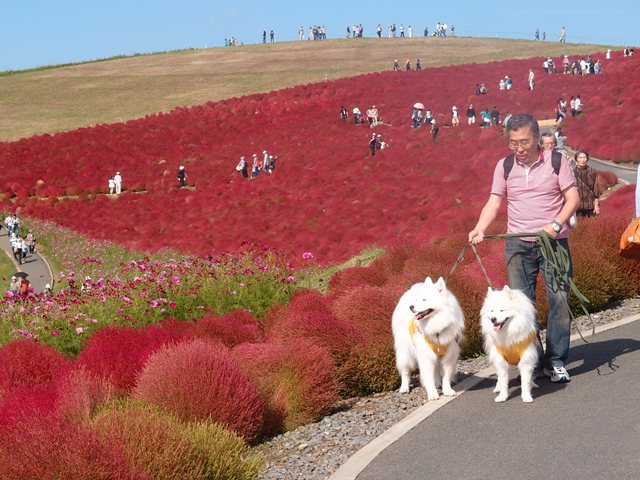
(514,144)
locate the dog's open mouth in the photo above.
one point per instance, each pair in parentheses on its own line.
(424,313)
(497,326)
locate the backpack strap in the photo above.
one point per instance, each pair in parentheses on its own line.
(508,166)
(556,160)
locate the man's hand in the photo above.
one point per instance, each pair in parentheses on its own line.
(476,236)
(549,229)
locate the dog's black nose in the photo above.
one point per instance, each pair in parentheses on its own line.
(412,308)
(494,319)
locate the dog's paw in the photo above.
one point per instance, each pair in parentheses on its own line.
(496,389)
(501,398)
(404,389)
(433,395)
(449,392)
(527,398)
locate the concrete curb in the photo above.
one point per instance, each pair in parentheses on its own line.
(363,457)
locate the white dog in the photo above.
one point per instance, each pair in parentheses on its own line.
(427,325)
(508,321)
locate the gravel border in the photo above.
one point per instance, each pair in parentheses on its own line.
(315,451)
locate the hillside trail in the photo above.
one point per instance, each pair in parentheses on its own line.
(35,265)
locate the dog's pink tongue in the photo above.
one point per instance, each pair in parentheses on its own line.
(497,327)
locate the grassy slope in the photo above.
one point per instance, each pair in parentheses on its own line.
(54,99)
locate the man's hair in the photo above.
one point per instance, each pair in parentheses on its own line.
(523,120)
(548,135)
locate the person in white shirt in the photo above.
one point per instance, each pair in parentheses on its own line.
(301,33)
(117,179)
(455,120)
(112,186)
(531,79)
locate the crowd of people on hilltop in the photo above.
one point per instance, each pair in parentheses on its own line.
(265,164)
(355,31)
(315,33)
(232,42)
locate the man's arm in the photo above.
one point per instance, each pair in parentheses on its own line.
(571,202)
(487,216)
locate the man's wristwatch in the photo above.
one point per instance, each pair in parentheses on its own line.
(556,226)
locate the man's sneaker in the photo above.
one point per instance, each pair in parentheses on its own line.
(558,375)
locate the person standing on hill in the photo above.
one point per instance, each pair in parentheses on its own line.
(563,35)
(272,36)
(117,179)
(112,186)
(531,79)
(264,36)
(182,176)
(471,115)
(455,120)
(373,145)
(587,181)
(538,200)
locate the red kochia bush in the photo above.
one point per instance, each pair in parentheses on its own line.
(44,447)
(27,363)
(296,379)
(355,277)
(234,328)
(308,316)
(197,380)
(81,394)
(26,402)
(119,353)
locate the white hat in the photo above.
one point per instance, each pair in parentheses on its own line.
(117,173)
(13,277)
(264,151)
(47,286)
(181,167)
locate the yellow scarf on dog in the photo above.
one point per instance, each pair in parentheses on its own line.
(438,348)
(513,353)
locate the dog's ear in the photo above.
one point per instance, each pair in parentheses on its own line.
(489,290)
(440,285)
(428,280)
(507,290)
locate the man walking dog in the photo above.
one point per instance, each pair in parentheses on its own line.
(540,196)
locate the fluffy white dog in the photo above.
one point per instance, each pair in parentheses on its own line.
(508,321)
(427,326)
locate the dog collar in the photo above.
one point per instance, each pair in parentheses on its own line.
(513,353)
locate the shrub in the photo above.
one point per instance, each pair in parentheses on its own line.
(198,381)
(234,328)
(369,308)
(27,363)
(162,447)
(26,402)
(348,278)
(81,394)
(119,353)
(45,447)
(370,369)
(295,378)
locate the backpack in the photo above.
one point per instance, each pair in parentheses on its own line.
(556,159)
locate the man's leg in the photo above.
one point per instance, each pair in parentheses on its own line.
(522,259)
(559,322)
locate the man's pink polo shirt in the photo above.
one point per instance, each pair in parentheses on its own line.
(534,194)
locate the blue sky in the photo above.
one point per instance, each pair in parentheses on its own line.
(44,32)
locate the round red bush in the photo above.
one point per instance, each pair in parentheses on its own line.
(197,380)
(296,379)
(28,363)
(119,353)
(234,328)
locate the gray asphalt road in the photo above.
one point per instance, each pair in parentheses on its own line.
(627,174)
(587,429)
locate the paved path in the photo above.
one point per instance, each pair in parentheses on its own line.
(589,428)
(35,265)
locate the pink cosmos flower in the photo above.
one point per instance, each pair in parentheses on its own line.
(307,255)
(172,304)
(55,333)
(79,330)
